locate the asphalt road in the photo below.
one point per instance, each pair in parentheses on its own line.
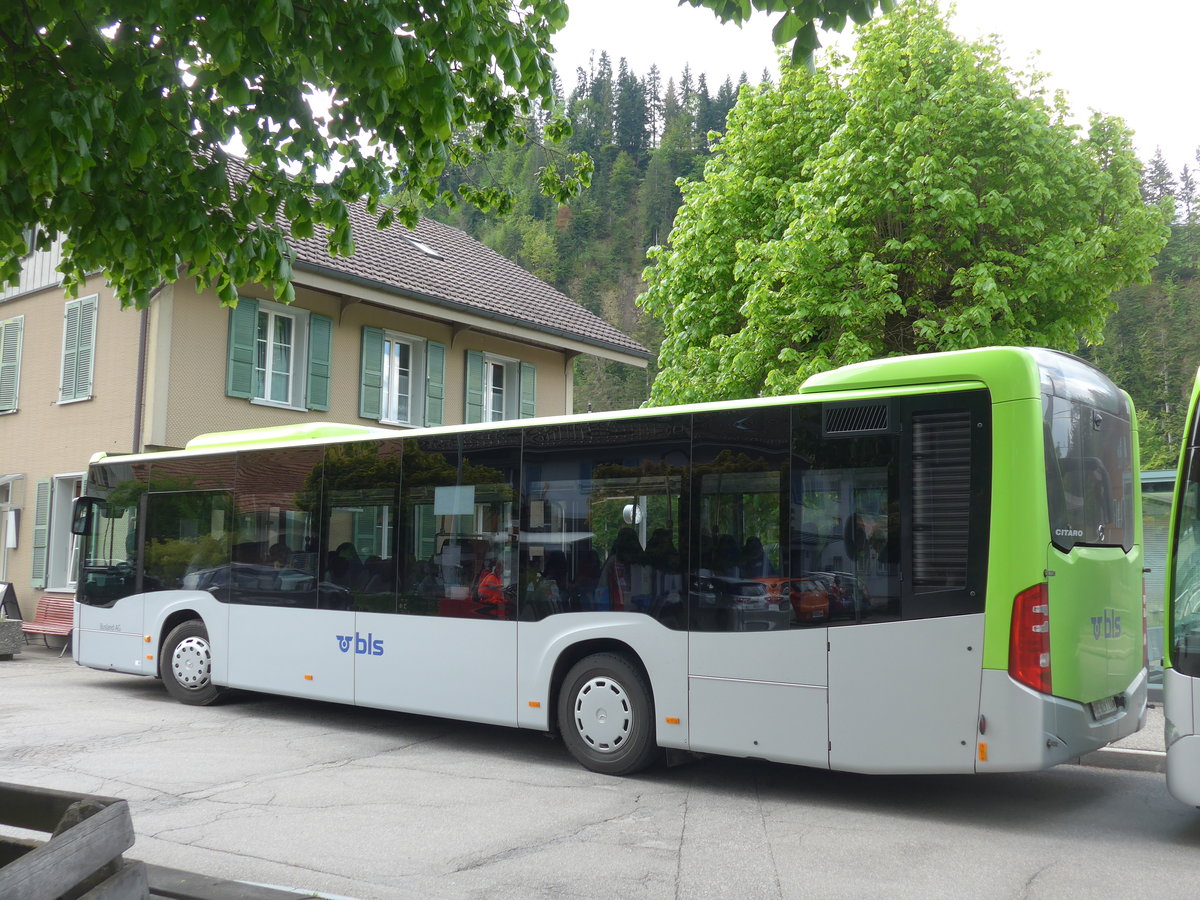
(368,804)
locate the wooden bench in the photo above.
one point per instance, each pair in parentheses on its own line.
(55,615)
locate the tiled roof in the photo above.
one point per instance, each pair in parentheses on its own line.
(462,273)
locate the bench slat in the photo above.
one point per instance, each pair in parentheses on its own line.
(54,615)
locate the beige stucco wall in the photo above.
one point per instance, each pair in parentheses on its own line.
(44,438)
(190,334)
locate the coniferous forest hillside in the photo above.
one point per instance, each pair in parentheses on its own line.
(645,131)
(1151,344)
(642,133)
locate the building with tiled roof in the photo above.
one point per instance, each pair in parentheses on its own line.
(417,328)
(450,269)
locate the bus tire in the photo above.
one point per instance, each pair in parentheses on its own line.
(606,715)
(186,665)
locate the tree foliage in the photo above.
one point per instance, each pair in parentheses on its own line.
(923,197)
(798,24)
(115,114)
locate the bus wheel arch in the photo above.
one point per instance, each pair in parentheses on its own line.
(185,662)
(605,708)
(178,617)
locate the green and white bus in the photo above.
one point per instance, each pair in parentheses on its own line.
(921,564)
(1181,618)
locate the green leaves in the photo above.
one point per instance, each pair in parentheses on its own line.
(116,131)
(921,198)
(798,25)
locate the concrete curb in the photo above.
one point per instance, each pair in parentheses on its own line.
(1123,758)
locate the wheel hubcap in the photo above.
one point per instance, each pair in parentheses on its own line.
(603,715)
(191,663)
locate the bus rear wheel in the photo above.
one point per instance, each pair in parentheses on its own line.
(187,665)
(606,715)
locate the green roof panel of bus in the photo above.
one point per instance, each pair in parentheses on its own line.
(1010,372)
(282,434)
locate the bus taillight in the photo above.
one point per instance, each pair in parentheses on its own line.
(1029,640)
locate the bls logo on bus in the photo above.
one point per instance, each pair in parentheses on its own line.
(363,646)
(1107,625)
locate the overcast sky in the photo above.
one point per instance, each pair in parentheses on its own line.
(1128,58)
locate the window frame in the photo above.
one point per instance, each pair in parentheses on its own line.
(62,547)
(519,397)
(417,350)
(297,376)
(491,366)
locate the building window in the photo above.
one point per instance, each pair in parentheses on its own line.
(402,380)
(499,388)
(495,407)
(279,355)
(10,362)
(275,354)
(79,347)
(403,372)
(55,560)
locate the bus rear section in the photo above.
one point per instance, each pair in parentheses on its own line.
(1075,673)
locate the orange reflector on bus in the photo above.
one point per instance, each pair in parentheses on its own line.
(308,678)
(982,752)
(535,704)
(147,639)
(672,720)
(149,656)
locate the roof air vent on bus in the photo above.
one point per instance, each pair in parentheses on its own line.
(856,419)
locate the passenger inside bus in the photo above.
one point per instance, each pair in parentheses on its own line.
(488,592)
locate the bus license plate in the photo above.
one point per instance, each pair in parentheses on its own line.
(1105,707)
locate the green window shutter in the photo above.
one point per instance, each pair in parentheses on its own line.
(243,332)
(473,403)
(370,395)
(365,532)
(435,383)
(41,532)
(87,348)
(10,362)
(528,391)
(320,360)
(427,531)
(79,347)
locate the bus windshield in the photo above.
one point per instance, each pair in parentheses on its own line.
(1089,455)
(109,553)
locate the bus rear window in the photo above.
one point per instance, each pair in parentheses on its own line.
(1089,450)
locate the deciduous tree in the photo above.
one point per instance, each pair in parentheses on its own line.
(113,116)
(923,197)
(800,20)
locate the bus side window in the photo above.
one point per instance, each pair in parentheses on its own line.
(738,510)
(276,521)
(187,540)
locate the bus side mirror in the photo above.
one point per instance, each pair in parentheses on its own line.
(81,518)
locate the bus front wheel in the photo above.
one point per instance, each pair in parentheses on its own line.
(606,715)
(187,665)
